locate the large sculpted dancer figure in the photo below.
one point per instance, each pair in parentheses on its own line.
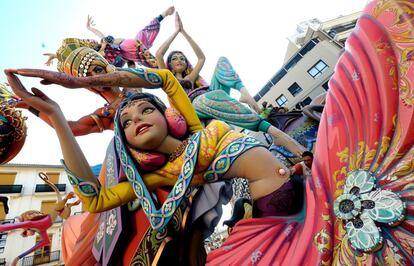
(119,51)
(359,200)
(157,154)
(160,142)
(214,101)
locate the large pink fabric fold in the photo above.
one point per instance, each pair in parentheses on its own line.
(364,151)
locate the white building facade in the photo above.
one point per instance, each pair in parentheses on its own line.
(26,191)
(310,61)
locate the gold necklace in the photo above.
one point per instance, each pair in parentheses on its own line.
(180,149)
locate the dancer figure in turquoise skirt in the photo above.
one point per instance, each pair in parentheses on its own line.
(214,101)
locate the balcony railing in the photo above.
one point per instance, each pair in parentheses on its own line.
(7,221)
(47,188)
(4,189)
(41,258)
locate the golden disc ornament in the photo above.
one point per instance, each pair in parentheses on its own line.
(12,131)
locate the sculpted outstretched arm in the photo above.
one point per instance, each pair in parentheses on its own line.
(150,32)
(92,123)
(89,25)
(245,97)
(159,55)
(197,50)
(115,79)
(72,153)
(176,95)
(126,78)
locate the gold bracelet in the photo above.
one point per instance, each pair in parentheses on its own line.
(98,122)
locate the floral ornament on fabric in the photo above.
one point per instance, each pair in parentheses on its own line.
(111,223)
(86,188)
(364,207)
(100,233)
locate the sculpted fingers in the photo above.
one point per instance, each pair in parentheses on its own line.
(16,85)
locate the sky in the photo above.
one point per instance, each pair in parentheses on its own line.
(252,34)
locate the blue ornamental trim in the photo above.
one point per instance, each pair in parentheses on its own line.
(159,218)
(151,77)
(225,159)
(86,188)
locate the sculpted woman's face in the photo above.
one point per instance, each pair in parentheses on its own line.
(144,126)
(178,63)
(99,67)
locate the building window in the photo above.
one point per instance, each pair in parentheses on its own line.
(341,28)
(42,255)
(325,86)
(309,46)
(317,70)
(278,76)
(48,206)
(7,178)
(266,89)
(3,236)
(3,243)
(293,61)
(53,177)
(281,101)
(295,89)
(307,101)
(2,211)
(332,33)
(1,250)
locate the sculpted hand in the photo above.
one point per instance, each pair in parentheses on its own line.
(50,59)
(178,23)
(37,99)
(90,23)
(245,97)
(14,262)
(169,11)
(254,106)
(70,195)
